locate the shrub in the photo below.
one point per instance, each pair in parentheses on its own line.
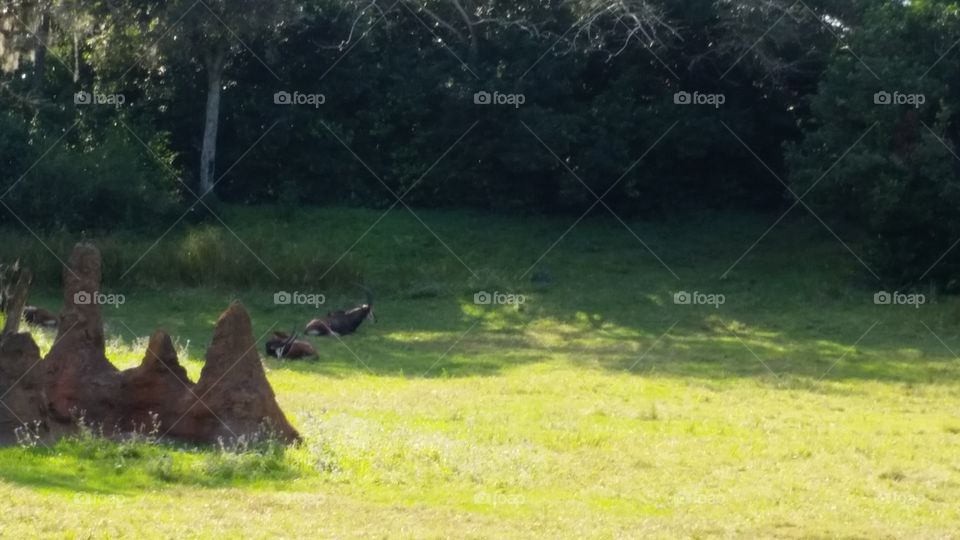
(115,182)
(899,183)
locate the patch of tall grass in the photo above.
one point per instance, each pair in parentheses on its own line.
(206,255)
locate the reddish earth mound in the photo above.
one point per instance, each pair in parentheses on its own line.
(78,377)
(153,390)
(232,398)
(21,385)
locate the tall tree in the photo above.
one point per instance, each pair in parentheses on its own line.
(209,34)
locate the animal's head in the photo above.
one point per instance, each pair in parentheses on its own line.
(281,343)
(371,315)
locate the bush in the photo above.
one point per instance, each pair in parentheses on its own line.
(899,184)
(15,150)
(115,182)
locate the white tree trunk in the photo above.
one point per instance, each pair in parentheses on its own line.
(40,50)
(76,56)
(208,154)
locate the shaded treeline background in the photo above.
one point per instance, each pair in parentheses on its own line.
(599,79)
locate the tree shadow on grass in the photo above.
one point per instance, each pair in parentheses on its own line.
(644,334)
(870,344)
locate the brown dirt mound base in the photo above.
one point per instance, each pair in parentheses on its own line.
(232,398)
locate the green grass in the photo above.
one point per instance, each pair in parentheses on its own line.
(597,409)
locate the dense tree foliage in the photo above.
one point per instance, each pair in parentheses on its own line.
(656,106)
(880,150)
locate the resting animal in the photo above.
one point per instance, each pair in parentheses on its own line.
(38,316)
(341,323)
(283,345)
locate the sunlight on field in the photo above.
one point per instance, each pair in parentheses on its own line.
(576,414)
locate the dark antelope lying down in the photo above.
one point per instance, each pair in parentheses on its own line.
(38,316)
(283,345)
(341,323)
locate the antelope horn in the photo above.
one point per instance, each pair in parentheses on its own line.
(369,293)
(291,339)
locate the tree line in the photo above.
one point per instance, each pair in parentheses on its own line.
(125,114)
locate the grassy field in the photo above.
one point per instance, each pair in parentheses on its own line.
(598,408)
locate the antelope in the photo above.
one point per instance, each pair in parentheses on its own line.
(38,316)
(283,345)
(340,323)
